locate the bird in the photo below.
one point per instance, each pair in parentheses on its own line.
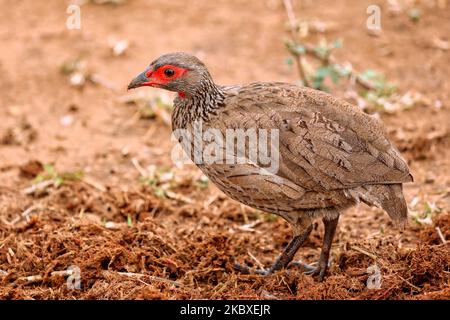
(331,154)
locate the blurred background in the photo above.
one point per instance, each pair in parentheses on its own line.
(85,172)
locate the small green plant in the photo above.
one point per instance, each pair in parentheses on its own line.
(369,89)
(425,214)
(332,71)
(270,217)
(381,87)
(129,221)
(415,14)
(202,182)
(49,173)
(150,106)
(160,180)
(264,216)
(70,66)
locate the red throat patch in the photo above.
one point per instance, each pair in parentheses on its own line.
(182,95)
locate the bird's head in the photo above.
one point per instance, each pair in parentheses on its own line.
(179,72)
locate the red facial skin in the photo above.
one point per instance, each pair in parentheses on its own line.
(158,77)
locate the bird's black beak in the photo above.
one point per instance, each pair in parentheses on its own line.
(140,81)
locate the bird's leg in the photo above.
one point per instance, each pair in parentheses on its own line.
(302,229)
(289,252)
(322,265)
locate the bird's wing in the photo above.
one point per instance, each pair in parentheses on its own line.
(324,143)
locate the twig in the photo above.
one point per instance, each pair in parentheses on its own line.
(216,291)
(284,281)
(179,197)
(311,51)
(409,283)
(260,265)
(62,273)
(151,130)
(267,295)
(134,119)
(38,186)
(153,278)
(38,277)
(138,167)
(92,183)
(142,281)
(31,279)
(163,115)
(299,57)
(374,257)
(209,201)
(98,79)
(290,13)
(28,211)
(441,235)
(249,226)
(24,214)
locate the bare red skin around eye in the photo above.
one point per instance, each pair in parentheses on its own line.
(158,76)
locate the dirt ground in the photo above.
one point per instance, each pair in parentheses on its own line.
(131,242)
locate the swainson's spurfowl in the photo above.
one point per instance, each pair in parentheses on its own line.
(331,154)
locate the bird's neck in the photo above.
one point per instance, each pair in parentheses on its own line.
(197,106)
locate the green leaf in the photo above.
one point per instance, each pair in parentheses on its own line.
(159,192)
(337,44)
(289,61)
(334,73)
(74,176)
(369,74)
(321,51)
(58,181)
(269,217)
(202,182)
(322,72)
(343,71)
(300,49)
(50,170)
(415,14)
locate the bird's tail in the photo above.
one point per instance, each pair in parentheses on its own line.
(390,198)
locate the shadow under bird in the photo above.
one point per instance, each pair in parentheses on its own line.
(331,154)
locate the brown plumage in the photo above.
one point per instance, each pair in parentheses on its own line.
(331,154)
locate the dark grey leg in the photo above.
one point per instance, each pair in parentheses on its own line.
(290,251)
(302,229)
(322,265)
(330,229)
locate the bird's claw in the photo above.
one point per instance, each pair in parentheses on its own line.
(244,269)
(315,269)
(309,268)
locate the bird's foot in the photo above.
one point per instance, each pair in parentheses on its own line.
(316,269)
(244,269)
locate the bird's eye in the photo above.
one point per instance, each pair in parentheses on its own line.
(169,72)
